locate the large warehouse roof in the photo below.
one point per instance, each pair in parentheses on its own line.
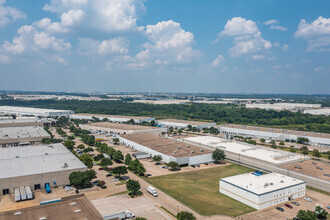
(261,184)
(25,120)
(261,153)
(196,123)
(112,116)
(8,133)
(30,160)
(121,126)
(33,111)
(165,145)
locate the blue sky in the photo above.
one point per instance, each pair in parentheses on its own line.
(233,46)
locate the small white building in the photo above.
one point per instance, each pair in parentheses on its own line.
(262,191)
(184,123)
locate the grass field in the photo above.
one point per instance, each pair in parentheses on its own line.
(199,190)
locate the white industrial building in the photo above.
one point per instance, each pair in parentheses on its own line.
(41,112)
(184,123)
(230,130)
(26,121)
(262,191)
(169,149)
(21,136)
(322,111)
(283,106)
(116,128)
(112,118)
(35,166)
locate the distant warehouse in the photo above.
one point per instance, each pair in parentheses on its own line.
(25,111)
(169,149)
(20,136)
(36,166)
(262,191)
(184,123)
(112,118)
(27,121)
(120,128)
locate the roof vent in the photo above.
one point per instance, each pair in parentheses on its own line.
(271,184)
(51,146)
(192,152)
(282,181)
(65,165)
(179,147)
(17,156)
(201,150)
(188,146)
(46,153)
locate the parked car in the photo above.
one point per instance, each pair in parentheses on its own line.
(108,175)
(328,175)
(68,188)
(149,174)
(164,167)
(115,180)
(298,167)
(197,165)
(319,168)
(96,181)
(314,163)
(193,166)
(280,209)
(328,207)
(206,164)
(308,199)
(101,168)
(295,203)
(288,205)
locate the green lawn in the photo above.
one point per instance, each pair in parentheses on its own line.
(199,190)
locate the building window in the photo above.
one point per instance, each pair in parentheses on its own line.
(5,191)
(37,186)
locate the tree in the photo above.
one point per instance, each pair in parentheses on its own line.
(173,165)
(152,123)
(140,169)
(89,149)
(106,162)
(320,212)
(98,157)
(133,186)
(134,164)
(218,155)
(304,148)
(81,178)
(157,158)
(81,146)
(262,140)
(87,160)
(281,143)
(128,159)
(119,170)
(306,215)
(184,215)
(69,144)
(316,153)
(140,218)
(118,156)
(115,140)
(304,152)
(45,141)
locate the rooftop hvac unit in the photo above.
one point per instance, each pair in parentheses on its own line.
(46,153)
(65,165)
(271,184)
(17,156)
(201,150)
(266,184)
(192,152)
(188,146)
(179,147)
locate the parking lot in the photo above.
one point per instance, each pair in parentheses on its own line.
(273,213)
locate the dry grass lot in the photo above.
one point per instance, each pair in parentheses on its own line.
(199,190)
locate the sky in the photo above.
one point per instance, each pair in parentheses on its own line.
(209,46)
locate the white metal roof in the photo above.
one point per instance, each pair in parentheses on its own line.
(262,184)
(30,160)
(261,153)
(32,111)
(7,133)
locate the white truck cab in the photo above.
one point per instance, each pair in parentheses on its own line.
(152,191)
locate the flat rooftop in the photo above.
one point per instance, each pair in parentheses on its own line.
(26,120)
(276,130)
(30,160)
(73,207)
(121,126)
(262,153)
(26,110)
(8,133)
(256,184)
(113,116)
(165,145)
(184,121)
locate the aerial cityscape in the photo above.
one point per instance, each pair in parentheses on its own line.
(164,110)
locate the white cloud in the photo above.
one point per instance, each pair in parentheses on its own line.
(272,21)
(9,14)
(217,61)
(287,66)
(247,37)
(258,57)
(317,33)
(106,16)
(30,41)
(278,27)
(285,47)
(277,67)
(319,69)
(117,45)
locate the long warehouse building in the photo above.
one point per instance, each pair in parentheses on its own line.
(112,118)
(184,123)
(27,121)
(41,112)
(21,136)
(230,130)
(36,166)
(169,149)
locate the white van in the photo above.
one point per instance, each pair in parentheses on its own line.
(152,191)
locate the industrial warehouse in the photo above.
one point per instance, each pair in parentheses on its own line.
(262,191)
(27,121)
(230,130)
(112,118)
(169,149)
(40,112)
(21,136)
(36,167)
(116,128)
(184,124)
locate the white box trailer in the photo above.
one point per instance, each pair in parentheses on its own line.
(23,193)
(120,215)
(152,191)
(29,193)
(17,195)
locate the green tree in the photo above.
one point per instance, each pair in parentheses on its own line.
(173,165)
(306,215)
(218,155)
(81,179)
(69,144)
(133,165)
(87,160)
(304,148)
(118,156)
(115,140)
(81,146)
(320,212)
(157,158)
(140,218)
(281,143)
(133,186)
(106,162)
(128,159)
(184,215)
(121,170)
(262,140)
(98,157)
(45,141)
(316,153)
(140,169)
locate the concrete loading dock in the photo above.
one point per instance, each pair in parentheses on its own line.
(169,149)
(34,166)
